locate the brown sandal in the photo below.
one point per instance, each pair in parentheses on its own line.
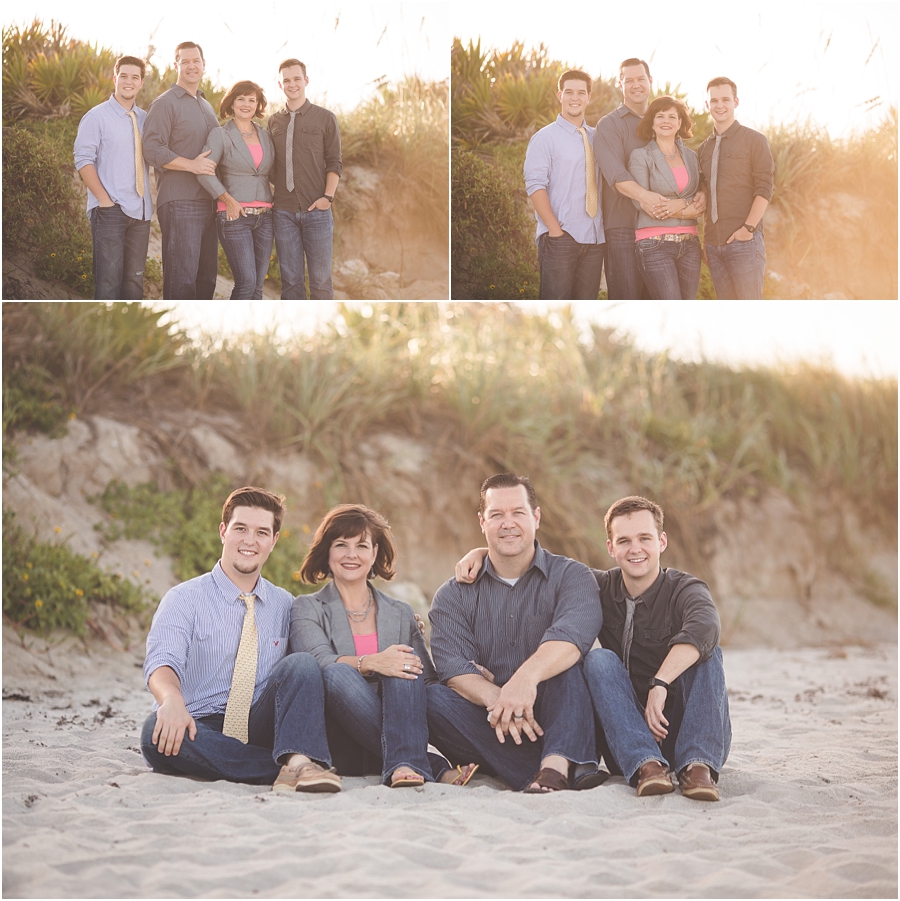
(547,778)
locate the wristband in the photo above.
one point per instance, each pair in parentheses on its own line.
(359,663)
(652,682)
(751,228)
(329,197)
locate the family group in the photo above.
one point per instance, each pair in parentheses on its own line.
(540,667)
(215,184)
(628,194)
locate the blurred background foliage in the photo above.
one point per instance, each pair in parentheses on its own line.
(831,229)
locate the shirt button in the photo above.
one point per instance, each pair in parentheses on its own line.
(510,616)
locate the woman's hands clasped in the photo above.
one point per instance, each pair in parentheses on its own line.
(399,660)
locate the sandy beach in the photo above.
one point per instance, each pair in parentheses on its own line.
(808,809)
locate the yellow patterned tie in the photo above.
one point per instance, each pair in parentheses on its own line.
(138,156)
(590,175)
(243,682)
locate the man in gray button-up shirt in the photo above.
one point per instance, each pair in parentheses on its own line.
(178,124)
(510,645)
(107,154)
(569,223)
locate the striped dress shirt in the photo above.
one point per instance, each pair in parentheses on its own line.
(196,631)
(500,626)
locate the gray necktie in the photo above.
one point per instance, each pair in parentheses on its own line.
(289,153)
(628,631)
(713,178)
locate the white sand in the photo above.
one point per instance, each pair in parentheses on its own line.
(808,809)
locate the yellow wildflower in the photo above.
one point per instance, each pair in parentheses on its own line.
(57,529)
(24,577)
(79,593)
(39,603)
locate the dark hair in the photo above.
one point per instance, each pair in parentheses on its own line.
(130,61)
(633,61)
(723,80)
(255,497)
(292,62)
(575,75)
(184,45)
(644,129)
(226,107)
(507,480)
(349,521)
(632,504)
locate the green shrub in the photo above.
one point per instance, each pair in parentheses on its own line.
(493,254)
(48,586)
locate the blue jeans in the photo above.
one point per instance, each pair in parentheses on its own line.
(671,269)
(623,276)
(699,729)
(120,253)
(563,709)
(569,270)
(248,246)
(310,234)
(737,269)
(384,719)
(190,249)
(289,718)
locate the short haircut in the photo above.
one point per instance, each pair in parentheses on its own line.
(721,79)
(644,129)
(130,61)
(507,480)
(291,62)
(349,521)
(186,45)
(255,497)
(226,107)
(633,61)
(632,504)
(575,75)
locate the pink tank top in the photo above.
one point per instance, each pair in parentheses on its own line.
(681,180)
(366,644)
(256,152)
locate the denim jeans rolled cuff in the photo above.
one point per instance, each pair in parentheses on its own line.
(670,269)
(699,727)
(247,242)
(623,275)
(288,718)
(738,269)
(190,249)
(386,716)
(303,242)
(119,253)
(569,270)
(460,730)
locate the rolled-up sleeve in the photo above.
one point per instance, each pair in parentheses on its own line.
(763,168)
(538,161)
(578,616)
(608,152)
(157,128)
(700,624)
(452,637)
(417,643)
(87,141)
(308,632)
(216,147)
(170,635)
(333,161)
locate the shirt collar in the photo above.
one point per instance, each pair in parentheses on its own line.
(180,91)
(302,111)
(729,132)
(119,108)
(230,591)
(624,111)
(647,597)
(568,126)
(539,562)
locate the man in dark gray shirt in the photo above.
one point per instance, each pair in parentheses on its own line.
(307,171)
(178,124)
(510,646)
(615,137)
(658,683)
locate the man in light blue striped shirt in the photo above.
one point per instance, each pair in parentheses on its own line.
(192,651)
(562,180)
(107,151)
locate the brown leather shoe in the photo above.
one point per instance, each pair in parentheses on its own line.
(653,779)
(696,782)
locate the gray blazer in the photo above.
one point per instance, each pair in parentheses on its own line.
(650,170)
(236,172)
(319,626)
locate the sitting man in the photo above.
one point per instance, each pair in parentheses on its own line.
(218,667)
(510,645)
(658,683)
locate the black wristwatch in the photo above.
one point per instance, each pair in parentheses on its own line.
(329,197)
(652,682)
(751,228)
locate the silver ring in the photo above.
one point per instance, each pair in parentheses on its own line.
(489,717)
(406,667)
(518,716)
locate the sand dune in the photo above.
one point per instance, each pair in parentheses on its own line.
(808,809)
